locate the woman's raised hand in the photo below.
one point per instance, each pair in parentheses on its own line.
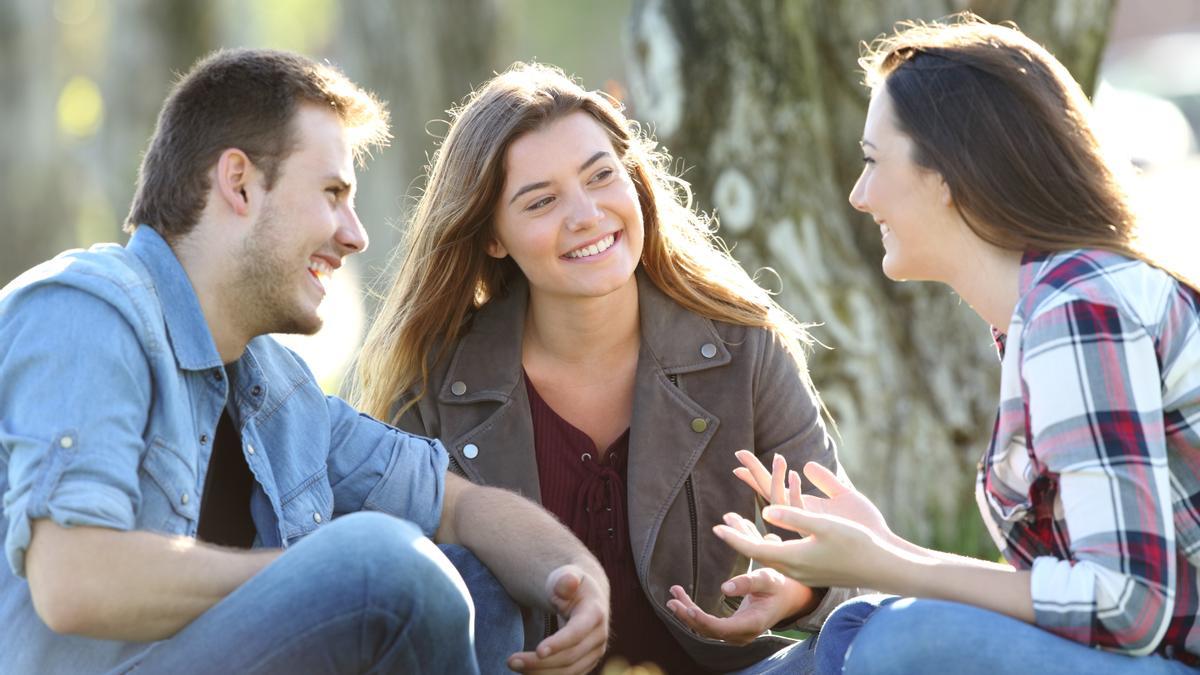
(783,488)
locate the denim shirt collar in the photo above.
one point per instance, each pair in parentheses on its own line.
(191,339)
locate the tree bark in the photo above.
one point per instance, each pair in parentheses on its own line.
(762,103)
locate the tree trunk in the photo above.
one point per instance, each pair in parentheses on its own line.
(763,104)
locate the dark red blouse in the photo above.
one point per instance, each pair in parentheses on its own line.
(588,495)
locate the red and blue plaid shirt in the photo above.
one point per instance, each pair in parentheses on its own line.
(1092,479)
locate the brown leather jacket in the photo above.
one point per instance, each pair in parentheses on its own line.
(703,390)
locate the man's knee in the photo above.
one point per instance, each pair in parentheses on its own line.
(401,571)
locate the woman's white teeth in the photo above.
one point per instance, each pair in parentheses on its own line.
(598,247)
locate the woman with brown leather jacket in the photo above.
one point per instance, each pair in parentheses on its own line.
(572,330)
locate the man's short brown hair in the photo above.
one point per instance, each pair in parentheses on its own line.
(245,99)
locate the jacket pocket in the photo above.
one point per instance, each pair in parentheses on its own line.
(169,499)
(307,506)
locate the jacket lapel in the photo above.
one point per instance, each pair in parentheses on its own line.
(487,363)
(666,439)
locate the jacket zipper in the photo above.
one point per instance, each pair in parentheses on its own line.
(455,466)
(691,501)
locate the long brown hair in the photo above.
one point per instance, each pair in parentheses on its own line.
(1007,127)
(444,273)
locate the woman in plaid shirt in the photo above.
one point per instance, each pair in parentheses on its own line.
(983,173)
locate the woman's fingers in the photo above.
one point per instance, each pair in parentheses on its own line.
(753,473)
(825,480)
(779,474)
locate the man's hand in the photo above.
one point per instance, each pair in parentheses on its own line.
(581,601)
(768,597)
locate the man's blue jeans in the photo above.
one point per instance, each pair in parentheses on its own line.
(888,634)
(365,594)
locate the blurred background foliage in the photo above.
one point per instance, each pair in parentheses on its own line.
(82,81)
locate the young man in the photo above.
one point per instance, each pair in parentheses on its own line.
(178,492)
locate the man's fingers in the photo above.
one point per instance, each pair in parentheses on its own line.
(564,583)
(825,480)
(580,635)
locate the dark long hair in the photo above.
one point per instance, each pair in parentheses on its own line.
(1007,127)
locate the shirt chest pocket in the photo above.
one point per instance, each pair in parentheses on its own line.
(169,499)
(307,507)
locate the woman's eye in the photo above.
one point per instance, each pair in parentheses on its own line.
(544,201)
(602,175)
(868,160)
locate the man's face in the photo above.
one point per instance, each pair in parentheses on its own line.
(306,226)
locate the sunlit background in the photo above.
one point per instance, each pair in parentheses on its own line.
(83,80)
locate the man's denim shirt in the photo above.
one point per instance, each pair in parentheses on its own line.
(110,392)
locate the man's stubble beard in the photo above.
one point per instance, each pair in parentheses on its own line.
(263,292)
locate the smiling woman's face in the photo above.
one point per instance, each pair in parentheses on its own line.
(569,214)
(911,204)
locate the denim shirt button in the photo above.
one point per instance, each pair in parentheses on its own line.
(203,439)
(249,449)
(317,518)
(256,390)
(66,442)
(184,499)
(218,376)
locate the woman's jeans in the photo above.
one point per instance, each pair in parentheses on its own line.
(367,593)
(888,634)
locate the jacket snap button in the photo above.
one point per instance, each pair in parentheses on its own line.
(709,350)
(459,388)
(699,425)
(470,451)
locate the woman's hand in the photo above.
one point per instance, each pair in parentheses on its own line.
(782,487)
(835,551)
(768,597)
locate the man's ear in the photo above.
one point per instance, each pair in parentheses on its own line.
(235,172)
(495,249)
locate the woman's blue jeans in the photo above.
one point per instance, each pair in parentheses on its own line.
(889,634)
(368,593)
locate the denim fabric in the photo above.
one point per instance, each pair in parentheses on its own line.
(888,634)
(111,389)
(363,617)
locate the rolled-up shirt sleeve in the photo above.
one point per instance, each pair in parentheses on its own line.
(1095,412)
(376,467)
(74,401)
